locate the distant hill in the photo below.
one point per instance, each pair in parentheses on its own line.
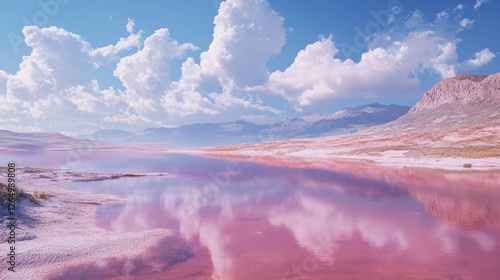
(458,118)
(465,89)
(344,121)
(463,101)
(347,120)
(39,141)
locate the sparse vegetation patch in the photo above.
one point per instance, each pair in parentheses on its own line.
(370,150)
(41,195)
(466,152)
(4,194)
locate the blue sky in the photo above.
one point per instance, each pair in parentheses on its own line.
(78,66)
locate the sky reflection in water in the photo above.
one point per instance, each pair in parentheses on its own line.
(270,222)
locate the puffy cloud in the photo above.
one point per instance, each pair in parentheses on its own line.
(182,98)
(130,26)
(51,90)
(390,67)
(459,7)
(73,60)
(479,3)
(445,62)
(231,79)
(443,14)
(466,23)
(84,101)
(246,34)
(481,58)
(46,69)
(146,73)
(316,75)
(110,53)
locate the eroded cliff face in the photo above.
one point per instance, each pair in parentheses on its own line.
(463,89)
(457,109)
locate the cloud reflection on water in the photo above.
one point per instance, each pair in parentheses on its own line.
(324,212)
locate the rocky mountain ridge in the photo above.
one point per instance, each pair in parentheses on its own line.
(461,90)
(344,121)
(455,125)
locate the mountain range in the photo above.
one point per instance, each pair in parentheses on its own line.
(458,117)
(344,121)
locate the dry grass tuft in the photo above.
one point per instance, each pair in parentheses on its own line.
(42,195)
(37,170)
(4,194)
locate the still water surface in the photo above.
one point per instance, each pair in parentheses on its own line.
(242,220)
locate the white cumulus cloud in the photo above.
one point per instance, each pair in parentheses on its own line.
(246,34)
(479,3)
(481,58)
(182,98)
(52,89)
(55,87)
(146,73)
(390,67)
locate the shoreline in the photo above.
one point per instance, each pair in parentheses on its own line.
(392,159)
(61,231)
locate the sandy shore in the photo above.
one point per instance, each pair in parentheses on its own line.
(421,144)
(387,159)
(61,230)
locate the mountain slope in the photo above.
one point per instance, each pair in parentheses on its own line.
(357,117)
(463,101)
(465,89)
(39,141)
(457,122)
(344,121)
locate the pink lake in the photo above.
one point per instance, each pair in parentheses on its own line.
(277,221)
